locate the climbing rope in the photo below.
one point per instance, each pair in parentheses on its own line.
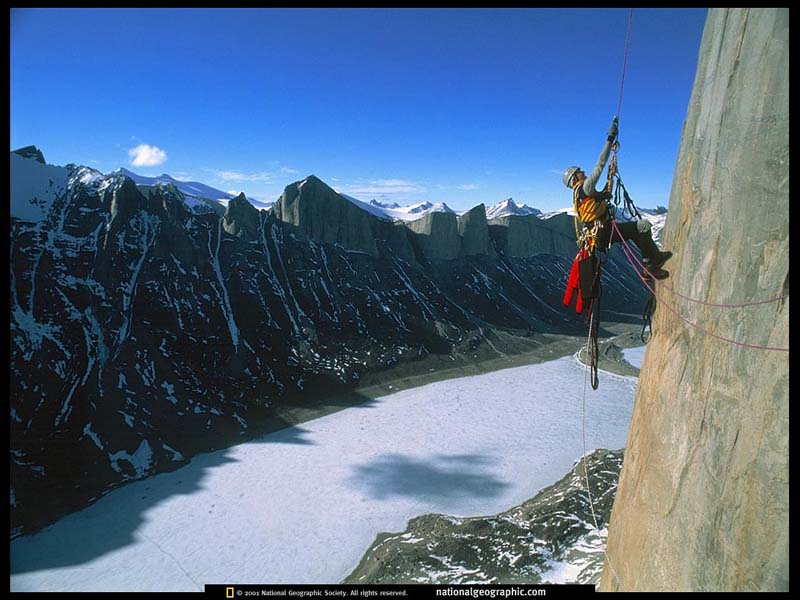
(672,290)
(625,60)
(583,434)
(629,255)
(592,350)
(586,461)
(593,324)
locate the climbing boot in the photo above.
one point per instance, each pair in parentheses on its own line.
(651,272)
(659,261)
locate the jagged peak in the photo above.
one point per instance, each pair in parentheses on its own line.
(239,201)
(419,207)
(441,207)
(380,204)
(31,152)
(510,207)
(475,210)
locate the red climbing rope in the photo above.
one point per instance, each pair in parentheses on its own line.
(629,253)
(712,304)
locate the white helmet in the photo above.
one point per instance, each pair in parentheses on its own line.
(568,174)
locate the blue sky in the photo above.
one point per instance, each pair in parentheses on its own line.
(461,106)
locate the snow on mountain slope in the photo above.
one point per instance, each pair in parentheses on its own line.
(396,212)
(378,211)
(34,187)
(192,190)
(256,203)
(188,188)
(509,207)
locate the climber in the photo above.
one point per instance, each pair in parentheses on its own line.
(594,212)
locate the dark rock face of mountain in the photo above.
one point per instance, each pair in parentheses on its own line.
(474,232)
(241,219)
(515,547)
(323,215)
(527,235)
(31,152)
(144,331)
(437,235)
(561,223)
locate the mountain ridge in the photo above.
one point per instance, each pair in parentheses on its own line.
(144,331)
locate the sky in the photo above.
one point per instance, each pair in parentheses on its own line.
(462,106)
(334,482)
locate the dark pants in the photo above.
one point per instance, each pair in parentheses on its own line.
(637,232)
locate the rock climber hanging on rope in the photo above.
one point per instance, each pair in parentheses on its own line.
(593,213)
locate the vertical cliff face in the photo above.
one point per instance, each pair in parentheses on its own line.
(437,235)
(703,499)
(527,235)
(474,232)
(322,214)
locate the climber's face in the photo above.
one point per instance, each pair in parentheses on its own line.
(579,176)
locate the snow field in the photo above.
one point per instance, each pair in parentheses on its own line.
(302,505)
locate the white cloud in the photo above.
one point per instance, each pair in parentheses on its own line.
(233,192)
(145,155)
(385,186)
(288,171)
(239,176)
(467,186)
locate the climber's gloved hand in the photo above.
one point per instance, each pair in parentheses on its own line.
(613,130)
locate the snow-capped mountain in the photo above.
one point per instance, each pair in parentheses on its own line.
(395,212)
(509,207)
(380,204)
(658,217)
(194,191)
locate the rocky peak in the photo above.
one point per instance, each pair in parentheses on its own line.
(421,207)
(474,232)
(380,204)
(241,218)
(324,215)
(31,152)
(125,199)
(509,207)
(437,235)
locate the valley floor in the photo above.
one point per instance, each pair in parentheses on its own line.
(302,505)
(511,352)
